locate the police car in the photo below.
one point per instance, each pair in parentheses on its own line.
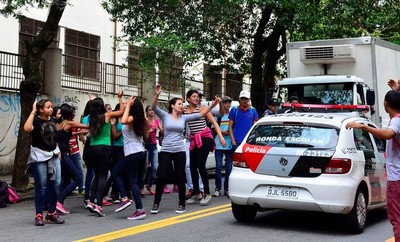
(309,161)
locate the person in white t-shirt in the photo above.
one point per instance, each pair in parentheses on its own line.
(392,136)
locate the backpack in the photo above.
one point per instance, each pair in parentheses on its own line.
(236,111)
(3,194)
(12,195)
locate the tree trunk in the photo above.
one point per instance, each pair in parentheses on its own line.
(257,86)
(31,86)
(276,48)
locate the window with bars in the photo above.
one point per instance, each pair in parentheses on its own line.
(82,52)
(171,75)
(28,30)
(135,74)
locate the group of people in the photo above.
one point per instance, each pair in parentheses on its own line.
(120,145)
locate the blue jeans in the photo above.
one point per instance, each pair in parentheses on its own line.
(152,154)
(42,179)
(131,165)
(77,160)
(218,170)
(68,166)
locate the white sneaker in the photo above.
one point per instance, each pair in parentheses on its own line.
(205,200)
(195,198)
(217,193)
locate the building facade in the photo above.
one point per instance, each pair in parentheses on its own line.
(85,58)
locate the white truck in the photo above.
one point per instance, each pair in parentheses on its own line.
(350,71)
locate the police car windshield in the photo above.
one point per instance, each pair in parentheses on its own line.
(293,136)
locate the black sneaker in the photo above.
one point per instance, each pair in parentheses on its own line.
(54,218)
(226,193)
(154,210)
(39,220)
(181,209)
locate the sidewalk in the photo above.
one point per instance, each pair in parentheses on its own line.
(24,195)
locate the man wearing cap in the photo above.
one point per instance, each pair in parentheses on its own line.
(201,95)
(223,122)
(241,119)
(272,107)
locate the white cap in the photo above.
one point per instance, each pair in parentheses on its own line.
(244,93)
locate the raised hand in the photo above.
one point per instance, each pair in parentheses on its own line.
(91,96)
(157,89)
(216,100)
(34,106)
(394,85)
(120,93)
(131,100)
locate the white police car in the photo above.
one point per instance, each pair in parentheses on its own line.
(309,161)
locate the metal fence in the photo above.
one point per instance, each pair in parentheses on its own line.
(11,72)
(82,74)
(119,77)
(97,77)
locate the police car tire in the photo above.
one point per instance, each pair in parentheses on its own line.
(243,213)
(357,218)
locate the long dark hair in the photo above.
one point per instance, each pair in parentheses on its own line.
(172,102)
(97,116)
(67,112)
(139,121)
(87,109)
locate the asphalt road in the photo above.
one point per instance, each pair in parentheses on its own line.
(201,223)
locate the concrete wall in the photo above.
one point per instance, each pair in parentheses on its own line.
(10,111)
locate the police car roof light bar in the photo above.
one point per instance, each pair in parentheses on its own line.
(326,107)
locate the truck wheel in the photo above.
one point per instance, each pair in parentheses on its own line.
(357,218)
(243,213)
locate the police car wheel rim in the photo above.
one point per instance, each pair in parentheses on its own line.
(361,209)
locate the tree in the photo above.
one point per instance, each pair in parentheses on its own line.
(251,35)
(31,85)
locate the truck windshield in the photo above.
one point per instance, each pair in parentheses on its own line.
(325,93)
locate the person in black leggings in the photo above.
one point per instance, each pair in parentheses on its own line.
(100,132)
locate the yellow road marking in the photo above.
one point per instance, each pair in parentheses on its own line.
(158,224)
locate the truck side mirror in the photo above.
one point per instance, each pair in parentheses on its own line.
(370,97)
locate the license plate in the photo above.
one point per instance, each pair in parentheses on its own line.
(282,192)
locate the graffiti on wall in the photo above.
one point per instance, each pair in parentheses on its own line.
(72,100)
(10,111)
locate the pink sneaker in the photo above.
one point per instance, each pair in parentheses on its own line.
(99,211)
(175,188)
(166,190)
(61,209)
(106,203)
(139,214)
